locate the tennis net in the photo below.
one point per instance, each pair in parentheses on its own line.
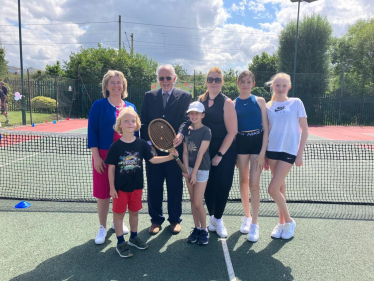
(58,167)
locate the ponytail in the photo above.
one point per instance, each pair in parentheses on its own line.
(271,82)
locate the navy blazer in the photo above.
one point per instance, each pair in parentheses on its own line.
(101,121)
(174,112)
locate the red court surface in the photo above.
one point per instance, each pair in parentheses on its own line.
(60,126)
(320,132)
(343,132)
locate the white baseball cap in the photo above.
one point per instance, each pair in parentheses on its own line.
(196,106)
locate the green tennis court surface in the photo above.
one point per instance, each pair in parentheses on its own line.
(55,241)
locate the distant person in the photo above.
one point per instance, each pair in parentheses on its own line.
(5,91)
(196,159)
(251,143)
(171,105)
(2,104)
(125,172)
(286,146)
(220,117)
(101,135)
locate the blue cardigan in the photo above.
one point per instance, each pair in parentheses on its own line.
(101,121)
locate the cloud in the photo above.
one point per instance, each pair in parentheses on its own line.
(207,39)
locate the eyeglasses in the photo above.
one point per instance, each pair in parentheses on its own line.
(210,80)
(163,78)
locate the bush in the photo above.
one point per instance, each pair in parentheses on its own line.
(43,104)
(261,92)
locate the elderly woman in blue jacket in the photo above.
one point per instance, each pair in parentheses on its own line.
(101,135)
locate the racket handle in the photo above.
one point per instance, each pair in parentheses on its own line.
(180,164)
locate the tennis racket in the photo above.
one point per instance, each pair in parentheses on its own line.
(162,134)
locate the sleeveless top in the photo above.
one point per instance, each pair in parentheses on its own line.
(214,117)
(249,114)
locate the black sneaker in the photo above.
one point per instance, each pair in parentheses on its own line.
(194,235)
(204,237)
(123,250)
(138,243)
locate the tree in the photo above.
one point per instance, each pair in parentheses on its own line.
(313,61)
(3,63)
(54,70)
(181,72)
(357,46)
(230,75)
(92,63)
(313,56)
(263,67)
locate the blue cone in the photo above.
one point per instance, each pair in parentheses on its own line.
(22,205)
(54,122)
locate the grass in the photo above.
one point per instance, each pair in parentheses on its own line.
(15,118)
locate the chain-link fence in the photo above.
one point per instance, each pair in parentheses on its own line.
(325,105)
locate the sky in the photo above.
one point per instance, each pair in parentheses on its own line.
(196,34)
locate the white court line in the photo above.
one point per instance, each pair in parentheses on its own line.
(230,269)
(20,159)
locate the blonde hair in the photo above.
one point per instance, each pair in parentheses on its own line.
(245,73)
(107,76)
(130,110)
(216,69)
(271,82)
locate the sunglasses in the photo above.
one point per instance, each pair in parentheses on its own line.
(210,80)
(163,78)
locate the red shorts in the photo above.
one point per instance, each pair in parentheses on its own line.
(131,199)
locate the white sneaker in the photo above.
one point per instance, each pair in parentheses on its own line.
(277,231)
(246,222)
(288,230)
(212,223)
(100,237)
(125,229)
(254,232)
(221,229)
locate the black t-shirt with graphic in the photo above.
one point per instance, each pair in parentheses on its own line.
(128,160)
(193,140)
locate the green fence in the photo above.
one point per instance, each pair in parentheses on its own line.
(74,99)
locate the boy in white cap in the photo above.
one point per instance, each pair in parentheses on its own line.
(197,161)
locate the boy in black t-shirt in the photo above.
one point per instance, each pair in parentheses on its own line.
(125,172)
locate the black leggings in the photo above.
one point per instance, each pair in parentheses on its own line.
(220,179)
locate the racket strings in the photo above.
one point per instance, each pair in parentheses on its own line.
(162,135)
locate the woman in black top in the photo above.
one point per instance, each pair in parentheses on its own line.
(220,117)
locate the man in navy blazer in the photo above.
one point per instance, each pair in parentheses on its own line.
(170,104)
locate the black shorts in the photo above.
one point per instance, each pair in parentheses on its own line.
(282,156)
(249,143)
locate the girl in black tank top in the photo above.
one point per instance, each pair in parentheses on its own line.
(222,149)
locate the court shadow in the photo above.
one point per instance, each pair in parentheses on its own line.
(249,265)
(165,259)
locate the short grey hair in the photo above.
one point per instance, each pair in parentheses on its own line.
(169,66)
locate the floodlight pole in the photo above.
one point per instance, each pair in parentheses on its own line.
(20,53)
(295,57)
(296,41)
